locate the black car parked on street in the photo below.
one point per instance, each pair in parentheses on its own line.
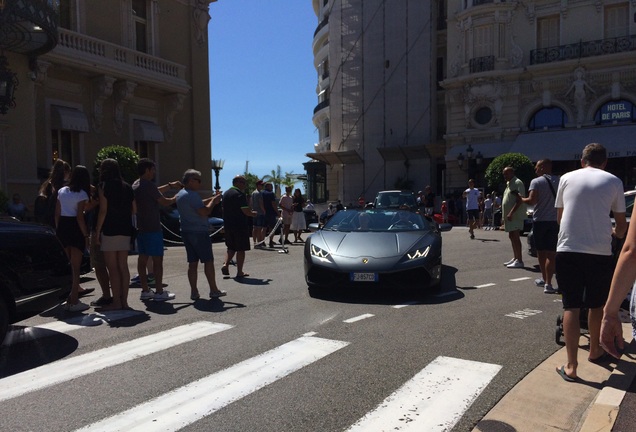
(35,273)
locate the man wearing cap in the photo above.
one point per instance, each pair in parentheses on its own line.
(258,230)
(237,236)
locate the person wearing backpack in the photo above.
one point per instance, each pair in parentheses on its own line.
(545,229)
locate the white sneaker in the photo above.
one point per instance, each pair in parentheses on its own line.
(515,264)
(163,296)
(77,307)
(548,289)
(507,263)
(146,295)
(539,282)
(217,294)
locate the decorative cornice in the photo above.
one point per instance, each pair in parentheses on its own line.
(124,91)
(40,70)
(101,89)
(201,16)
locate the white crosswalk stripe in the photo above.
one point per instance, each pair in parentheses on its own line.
(64,370)
(194,401)
(433,400)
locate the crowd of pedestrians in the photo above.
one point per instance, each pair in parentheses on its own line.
(572,233)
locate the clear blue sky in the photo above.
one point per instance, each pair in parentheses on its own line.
(262,85)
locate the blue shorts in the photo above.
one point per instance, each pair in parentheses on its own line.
(150,243)
(198,246)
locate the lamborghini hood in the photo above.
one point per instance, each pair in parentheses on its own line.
(377,245)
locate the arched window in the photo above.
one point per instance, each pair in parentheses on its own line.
(548,118)
(621,111)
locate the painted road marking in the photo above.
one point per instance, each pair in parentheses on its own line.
(522,314)
(433,400)
(485,285)
(358,318)
(185,405)
(64,370)
(519,279)
(403,305)
(18,335)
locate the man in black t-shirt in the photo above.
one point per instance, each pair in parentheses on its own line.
(237,234)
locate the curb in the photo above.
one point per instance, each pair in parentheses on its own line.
(542,402)
(603,412)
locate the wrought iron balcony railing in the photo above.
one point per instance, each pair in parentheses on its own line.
(583,49)
(323,23)
(482,64)
(321,105)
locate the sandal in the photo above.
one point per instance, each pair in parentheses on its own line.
(225,271)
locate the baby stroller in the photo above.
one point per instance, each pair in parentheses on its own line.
(558,333)
(617,245)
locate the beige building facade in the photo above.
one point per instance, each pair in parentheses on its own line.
(131,73)
(542,78)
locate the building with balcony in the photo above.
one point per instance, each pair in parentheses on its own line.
(131,73)
(376,110)
(543,78)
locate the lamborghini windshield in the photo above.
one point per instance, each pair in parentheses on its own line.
(377,220)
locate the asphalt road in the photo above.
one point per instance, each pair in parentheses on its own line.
(52,376)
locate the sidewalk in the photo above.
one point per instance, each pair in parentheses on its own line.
(542,401)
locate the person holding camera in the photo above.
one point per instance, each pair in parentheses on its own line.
(193,217)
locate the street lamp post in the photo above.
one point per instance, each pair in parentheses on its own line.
(473,161)
(217,165)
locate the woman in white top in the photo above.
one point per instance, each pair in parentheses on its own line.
(72,230)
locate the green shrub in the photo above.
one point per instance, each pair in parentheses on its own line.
(524,170)
(126,158)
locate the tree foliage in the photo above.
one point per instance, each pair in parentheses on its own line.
(524,170)
(125,156)
(276,178)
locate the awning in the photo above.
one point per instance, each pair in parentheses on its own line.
(488,150)
(339,157)
(400,153)
(148,131)
(567,144)
(64,118)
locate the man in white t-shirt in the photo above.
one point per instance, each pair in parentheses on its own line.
(584,262)
(471,195)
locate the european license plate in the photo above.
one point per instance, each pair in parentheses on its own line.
(364,277)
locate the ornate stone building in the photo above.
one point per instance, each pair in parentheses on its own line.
(131,73)
(543,78)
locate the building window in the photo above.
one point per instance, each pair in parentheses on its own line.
(548,118)
(65,146)
(616,20)
(327,130)
(621,111)
(68,14)
(140,23)
(548,32)
(145,149)
(483,115)
(483,41)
